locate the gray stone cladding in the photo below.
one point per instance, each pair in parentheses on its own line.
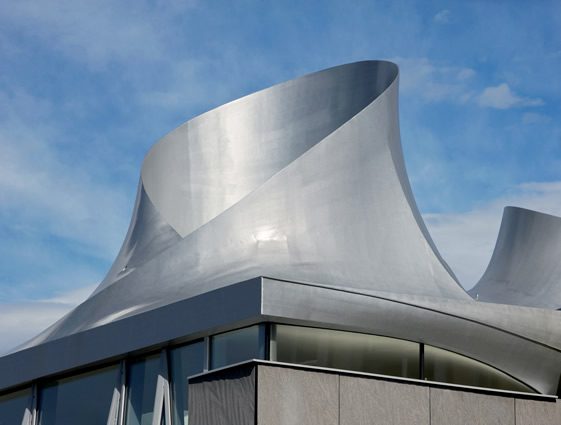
(268,394)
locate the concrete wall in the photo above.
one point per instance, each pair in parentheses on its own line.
(281,395)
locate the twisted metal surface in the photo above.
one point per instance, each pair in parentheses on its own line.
(525,268)
(302,181)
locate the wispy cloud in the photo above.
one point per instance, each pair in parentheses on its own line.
(442,17)
(61,219)
(23,320)
(502,97)
(95,32)
(466,240)
(435,82)
(530,118)
(39,187)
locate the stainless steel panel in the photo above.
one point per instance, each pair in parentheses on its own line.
(525,268)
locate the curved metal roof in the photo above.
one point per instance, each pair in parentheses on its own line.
(302,181)
(525,268)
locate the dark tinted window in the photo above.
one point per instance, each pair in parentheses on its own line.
(184,362)
(83,399)
(12,407)
(141,390)
(237,346)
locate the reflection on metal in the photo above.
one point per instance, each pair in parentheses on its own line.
(525,268)
(302,182)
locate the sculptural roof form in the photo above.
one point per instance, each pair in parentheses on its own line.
(302,181)
(305,183)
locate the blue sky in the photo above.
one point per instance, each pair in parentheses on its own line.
(87,87)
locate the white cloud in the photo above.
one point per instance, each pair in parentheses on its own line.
(95,32)
(466,240)
(442,17)
(23,320)
(432,82)
(41,191)
(529,118)
(502,97)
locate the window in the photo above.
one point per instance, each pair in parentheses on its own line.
(142,377)
(345,350)
(83,399)
(236,346)
(446,366)
(383,355)
(12,407)
(184,362)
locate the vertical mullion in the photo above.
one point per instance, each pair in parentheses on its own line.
(206,366)
(267,354)
(167,402)
(113,416)
(167,395)
(421,361)
(162,392)
(30,414)
(272,343)
(123,398)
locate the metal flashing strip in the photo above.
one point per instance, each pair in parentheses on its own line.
(398,379)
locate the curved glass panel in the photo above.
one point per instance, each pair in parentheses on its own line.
(84,399)
(184,362)
(12,407)
(142,377)
(345,350)
(446,366)
(237,346)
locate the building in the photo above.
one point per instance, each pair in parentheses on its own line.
(277,271)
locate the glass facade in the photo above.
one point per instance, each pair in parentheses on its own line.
(86,398)
(446,366)
(345,350)
(184,362)
(83,399)
(237,346)
(12,407)
(142,377)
